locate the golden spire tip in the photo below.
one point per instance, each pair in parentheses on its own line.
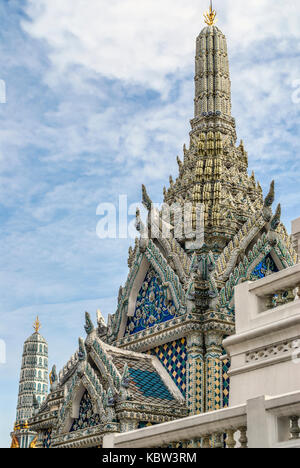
(210,16)
(37,325)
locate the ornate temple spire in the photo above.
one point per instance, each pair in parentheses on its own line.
(213,87)
(34,374)
(214,171)
(212,80)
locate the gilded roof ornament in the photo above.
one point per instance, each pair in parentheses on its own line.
(210,16)
(37,325)
(34,442)
(15,443)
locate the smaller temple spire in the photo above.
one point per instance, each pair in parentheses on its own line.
(37,325)
(210,16)
(33,384)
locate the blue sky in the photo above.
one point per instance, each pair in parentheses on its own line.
(98,101)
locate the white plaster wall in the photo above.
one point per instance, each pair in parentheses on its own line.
(273,380)
(265,352)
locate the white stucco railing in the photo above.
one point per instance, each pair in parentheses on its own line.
(284,281)
(264,422)
(265,351)
(186,430)
(285,412)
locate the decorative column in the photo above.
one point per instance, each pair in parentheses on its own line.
(195,395)
(213,370)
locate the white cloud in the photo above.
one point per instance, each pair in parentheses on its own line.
(255,20)
(145,41)
(151,43)
(134,41)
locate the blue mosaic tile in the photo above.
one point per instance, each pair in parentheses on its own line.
(226,383)
(264,268)
(150,384)
(86,418)
(173,357)
(47,441)
(152,305)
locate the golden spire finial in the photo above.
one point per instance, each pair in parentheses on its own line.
(37,325)
(210,16)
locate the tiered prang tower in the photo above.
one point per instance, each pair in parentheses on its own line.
(33,386)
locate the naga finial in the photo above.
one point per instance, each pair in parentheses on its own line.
(210,16)
(89,327)
(53,378)
(125,377)
(269,200)
(276,218)
(82,352)
(110,397)
(100,319)
(37,325)
(147,202)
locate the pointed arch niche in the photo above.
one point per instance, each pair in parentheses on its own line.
(86,416)
(149,302)
(73,410)
(261,261)
(269,264)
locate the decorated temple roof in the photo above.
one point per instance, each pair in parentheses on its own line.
(148,380)
(36,338)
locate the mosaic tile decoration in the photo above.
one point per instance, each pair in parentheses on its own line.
(47,441)
(213,384)
(195,385)
(150,384)
(264,268)
(226,383)
(173,357)
(135,390)
(143,424)
(152,305)
(86,418)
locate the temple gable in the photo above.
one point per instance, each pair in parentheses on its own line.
(86,417)
(152,305)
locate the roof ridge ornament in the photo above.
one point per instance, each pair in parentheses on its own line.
(210,16)
(37,325)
